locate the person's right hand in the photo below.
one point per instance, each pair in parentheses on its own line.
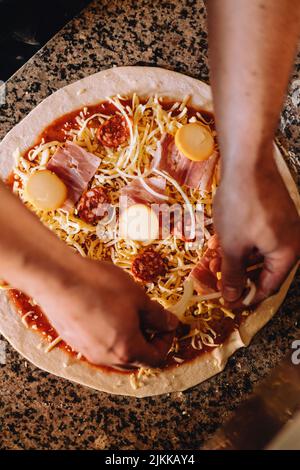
(253,213)
(102,313)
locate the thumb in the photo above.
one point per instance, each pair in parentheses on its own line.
(233,277)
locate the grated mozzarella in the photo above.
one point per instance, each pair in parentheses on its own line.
(146,123)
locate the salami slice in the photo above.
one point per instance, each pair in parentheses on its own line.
(113,132)
(148,265)
(91,206)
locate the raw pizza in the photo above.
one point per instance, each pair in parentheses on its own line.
(147,136)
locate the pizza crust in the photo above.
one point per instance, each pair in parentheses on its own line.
(144,81)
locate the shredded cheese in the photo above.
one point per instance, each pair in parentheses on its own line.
(24,317)
(185,198)
(251,294)
(151,190)
(53,343)
(180,308)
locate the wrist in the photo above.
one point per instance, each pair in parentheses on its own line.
(35,270)
(246,159)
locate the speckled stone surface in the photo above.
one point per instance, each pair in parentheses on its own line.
(40,411)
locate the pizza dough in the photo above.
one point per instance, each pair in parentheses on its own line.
(144,81)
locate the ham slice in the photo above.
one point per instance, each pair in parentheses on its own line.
(193,174)
(204,274)
(75,167)
(148,193)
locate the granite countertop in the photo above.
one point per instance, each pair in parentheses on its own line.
(41,411)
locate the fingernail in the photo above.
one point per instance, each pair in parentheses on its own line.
(172,322)
(231,294)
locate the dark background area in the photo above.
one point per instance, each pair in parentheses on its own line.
(26,25)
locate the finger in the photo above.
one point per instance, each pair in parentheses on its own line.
(163,343)
(155,317)
(149,353)
(254,257)
(154,353)
(214,242)
(233,277)
(275,270)
(215,265)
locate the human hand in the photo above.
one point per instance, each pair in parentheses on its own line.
(102,313)
(254,215)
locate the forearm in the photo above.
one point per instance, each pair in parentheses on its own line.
(252,46)
(30,255)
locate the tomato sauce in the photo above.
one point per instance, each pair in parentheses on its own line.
(10,181)
(37,320)
(55,130)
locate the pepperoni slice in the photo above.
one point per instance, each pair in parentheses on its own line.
(148,265)
(113,132)
(89,206)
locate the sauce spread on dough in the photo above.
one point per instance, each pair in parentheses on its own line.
(38,321)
